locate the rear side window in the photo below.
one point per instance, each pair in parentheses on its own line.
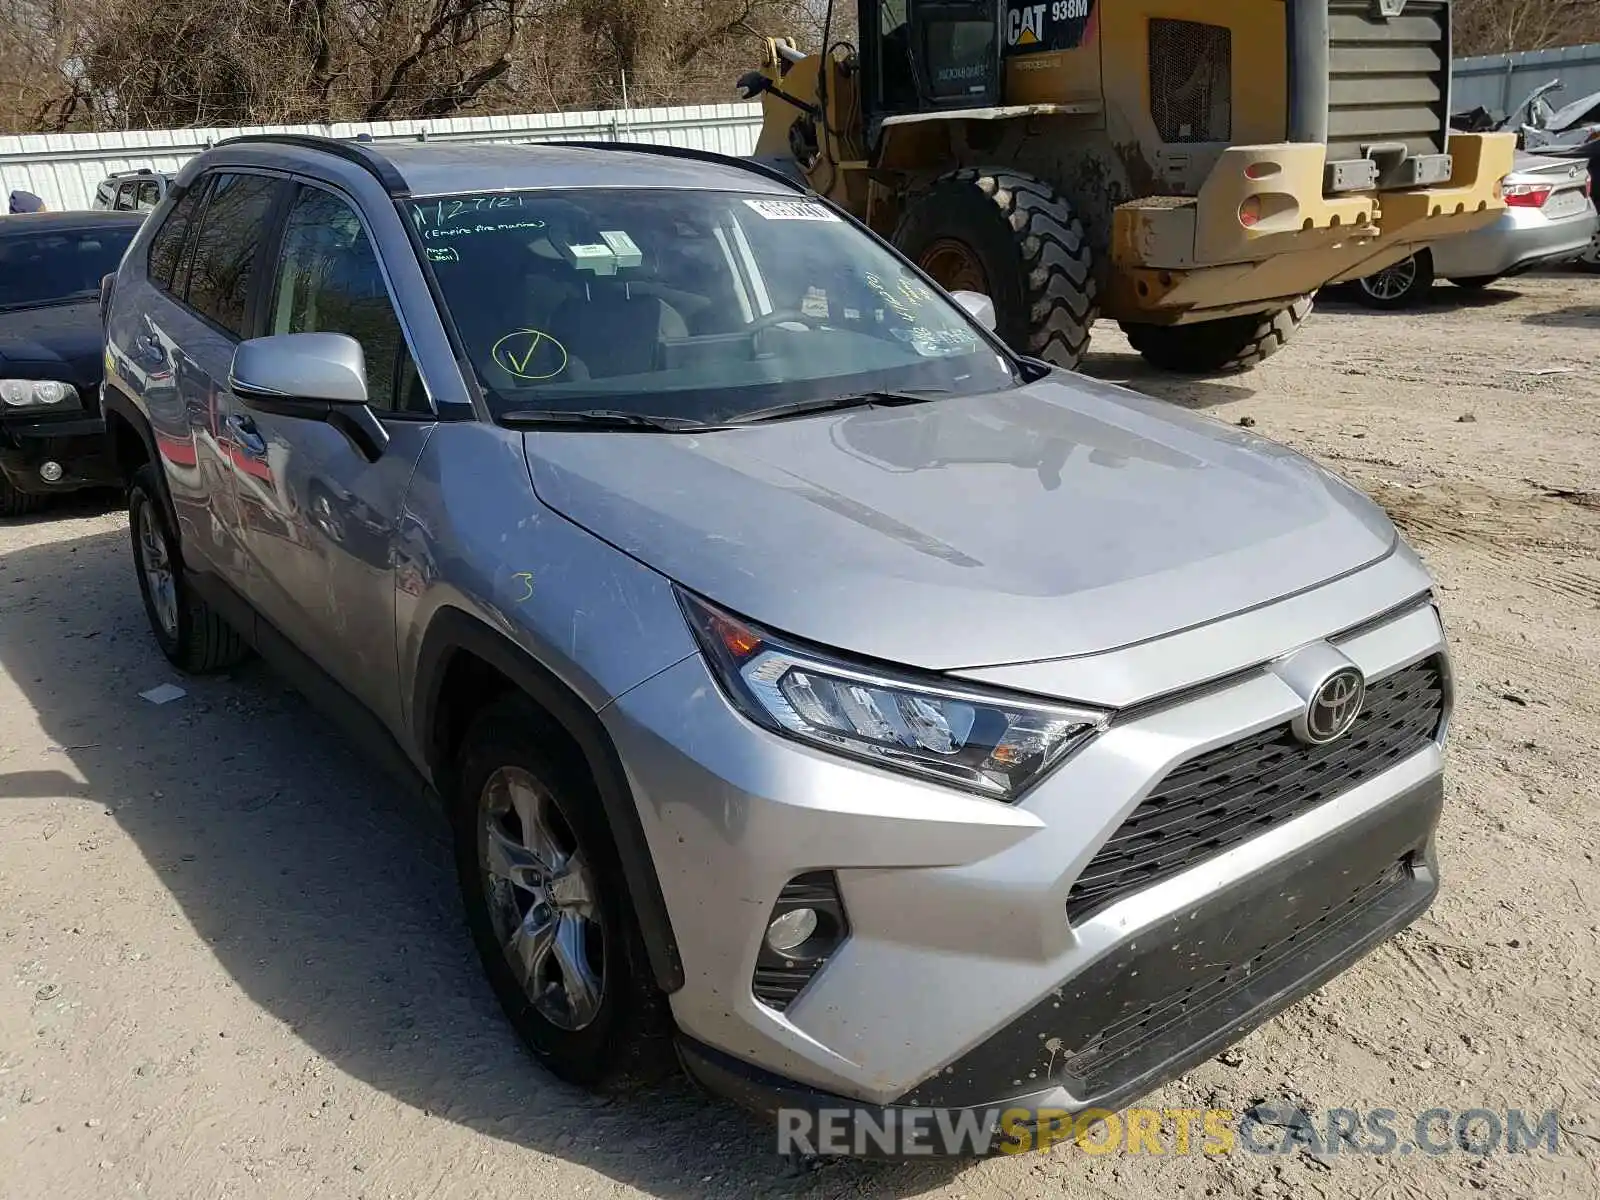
(168,241)
(124,198)
(227,247)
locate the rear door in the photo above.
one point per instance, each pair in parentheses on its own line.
(318,517)
(190,343)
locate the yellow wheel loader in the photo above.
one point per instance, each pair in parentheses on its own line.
(1193,169)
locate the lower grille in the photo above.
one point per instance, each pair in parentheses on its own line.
(1240,790)
(1097,1064)
(1388,78)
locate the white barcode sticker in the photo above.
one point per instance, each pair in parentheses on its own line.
(791,210)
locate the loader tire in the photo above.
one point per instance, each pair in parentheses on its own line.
(1014,238)
(1220,347)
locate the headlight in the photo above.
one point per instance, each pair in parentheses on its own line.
(996,746)
(38,393)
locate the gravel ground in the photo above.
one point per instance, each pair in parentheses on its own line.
(231,962)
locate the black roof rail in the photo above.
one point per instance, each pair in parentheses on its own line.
(360,153)
(691,152)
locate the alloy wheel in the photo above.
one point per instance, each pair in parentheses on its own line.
(541,899)
(1393,281)
(155,564)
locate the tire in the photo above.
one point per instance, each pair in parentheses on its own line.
(1015,238)
(1404,284)
(191,634)
(620,1032)
(1476,283)
(1220,347)
(1589,260)
(14,503)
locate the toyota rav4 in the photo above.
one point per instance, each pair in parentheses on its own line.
(815,687)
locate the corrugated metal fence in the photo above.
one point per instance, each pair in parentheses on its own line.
(1499,82)
(64,169)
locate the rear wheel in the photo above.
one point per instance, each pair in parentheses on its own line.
(1218,347)
(1589,260)
(192,635)
(18,504)
(548,907)
(1399,285)
(1014,238)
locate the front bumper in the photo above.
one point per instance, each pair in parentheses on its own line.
(78,444)
(1179,261)
(1207,975)
(1520,239)
(960,947)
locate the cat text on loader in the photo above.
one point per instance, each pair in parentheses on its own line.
(1194,169)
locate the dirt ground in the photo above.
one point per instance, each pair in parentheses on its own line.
(231,962)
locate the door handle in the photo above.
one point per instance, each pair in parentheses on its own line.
(244,432)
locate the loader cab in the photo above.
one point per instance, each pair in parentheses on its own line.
(921,56)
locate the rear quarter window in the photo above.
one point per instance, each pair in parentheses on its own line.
(167,245)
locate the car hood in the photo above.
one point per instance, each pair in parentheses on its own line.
(1064,518)
(60,341)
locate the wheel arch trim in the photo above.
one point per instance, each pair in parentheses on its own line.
(453,630)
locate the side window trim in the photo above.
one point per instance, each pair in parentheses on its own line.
(388,286)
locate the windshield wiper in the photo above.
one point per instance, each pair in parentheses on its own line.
(800,408)
(601,418)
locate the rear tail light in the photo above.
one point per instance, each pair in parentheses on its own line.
(1527,195)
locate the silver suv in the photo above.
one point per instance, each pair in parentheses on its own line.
(815,687)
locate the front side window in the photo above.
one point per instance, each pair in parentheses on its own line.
(60,267)
(147,196)
(329,281)
(227,246)
(696,305)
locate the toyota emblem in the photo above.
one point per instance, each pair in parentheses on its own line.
(1333,707)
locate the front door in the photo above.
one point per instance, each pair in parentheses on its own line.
(318,518)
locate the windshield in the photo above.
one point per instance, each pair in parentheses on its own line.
(700,306)
(58,266)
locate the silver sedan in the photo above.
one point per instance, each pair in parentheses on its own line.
(1549,218)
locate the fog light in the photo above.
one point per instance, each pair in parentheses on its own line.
(790,931)
(51,472)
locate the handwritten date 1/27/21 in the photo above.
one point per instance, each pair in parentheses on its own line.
(440,213)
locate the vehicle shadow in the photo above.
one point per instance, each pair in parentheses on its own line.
(1576,316)
(1443,297)
(328,894)
(1186,391)
(90,502)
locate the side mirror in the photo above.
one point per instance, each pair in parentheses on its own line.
(978,306)
(313,377)
(751,84)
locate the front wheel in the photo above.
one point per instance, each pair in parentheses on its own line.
(1015,239)
(14,503)
(548,907)
(1404,284)
(1220,347)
